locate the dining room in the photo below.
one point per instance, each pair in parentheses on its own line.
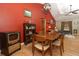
(39,29)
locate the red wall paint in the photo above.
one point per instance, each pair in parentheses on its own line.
(12,16)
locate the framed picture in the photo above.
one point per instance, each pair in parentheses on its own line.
(27,13)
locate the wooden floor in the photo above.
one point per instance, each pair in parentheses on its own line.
(71,46)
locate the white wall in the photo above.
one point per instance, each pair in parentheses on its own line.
(74,18)
(54,10)
(59,17)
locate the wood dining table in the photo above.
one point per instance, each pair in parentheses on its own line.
(50,36)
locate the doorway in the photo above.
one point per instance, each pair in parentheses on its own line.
(66,27)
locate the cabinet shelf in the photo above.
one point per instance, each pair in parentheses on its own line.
(29,30)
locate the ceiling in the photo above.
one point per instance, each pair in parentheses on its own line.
(64,5)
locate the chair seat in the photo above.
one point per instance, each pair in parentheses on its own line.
(57,43)
(39,46)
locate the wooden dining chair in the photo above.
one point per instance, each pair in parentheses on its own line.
(39,43)
(59,43)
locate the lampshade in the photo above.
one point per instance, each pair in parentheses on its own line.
(49,26)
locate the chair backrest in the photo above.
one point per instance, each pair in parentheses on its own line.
(40,39)
(61,38)
(39,43)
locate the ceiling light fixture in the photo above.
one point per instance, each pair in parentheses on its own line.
(47,6)
(72,11)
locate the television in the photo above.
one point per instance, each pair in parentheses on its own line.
(10,42)
(13,37)
(27,13)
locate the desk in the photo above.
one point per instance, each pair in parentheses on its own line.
(51,37)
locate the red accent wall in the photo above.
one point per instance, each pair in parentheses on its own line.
(12,16)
